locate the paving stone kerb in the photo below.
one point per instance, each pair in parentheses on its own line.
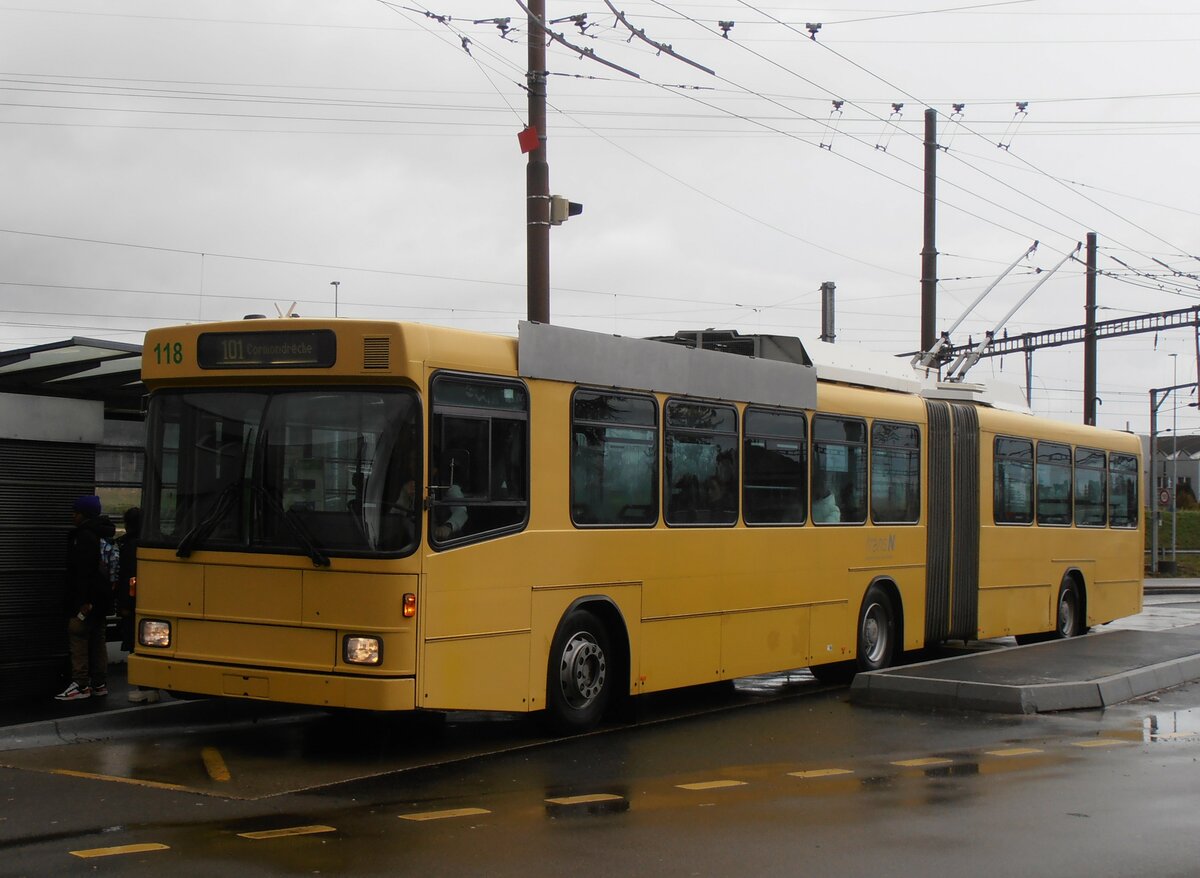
(1083,672)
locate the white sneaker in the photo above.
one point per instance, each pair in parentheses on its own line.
(143,696)
(74,692)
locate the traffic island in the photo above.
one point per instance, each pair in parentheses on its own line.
(1097,670)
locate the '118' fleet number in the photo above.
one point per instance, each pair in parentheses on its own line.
(169,353)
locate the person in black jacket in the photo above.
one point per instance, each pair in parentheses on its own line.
(88,600)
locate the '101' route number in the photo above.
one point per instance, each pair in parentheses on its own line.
(169,353)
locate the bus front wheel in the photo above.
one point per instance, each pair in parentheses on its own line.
(579,683)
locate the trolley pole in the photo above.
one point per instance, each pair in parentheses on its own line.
(537,175)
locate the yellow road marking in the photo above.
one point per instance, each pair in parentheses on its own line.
(442,815)
(214,764)
(584,800)
(282,833)
(920,763)
(711,784)
(1014,751)
(821,772)
(123,849)
(1100,742)
(152,784)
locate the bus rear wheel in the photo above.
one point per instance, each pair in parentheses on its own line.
(579,681)
(1070,612)
(876,631)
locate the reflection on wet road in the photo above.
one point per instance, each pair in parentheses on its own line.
(793,774)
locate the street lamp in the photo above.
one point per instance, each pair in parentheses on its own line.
(337,283)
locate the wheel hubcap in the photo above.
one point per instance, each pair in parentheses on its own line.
(874,633)
(582,670)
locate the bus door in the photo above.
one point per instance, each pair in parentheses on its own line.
(952,523)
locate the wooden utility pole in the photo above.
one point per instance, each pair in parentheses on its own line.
(1089,336)
(929,249)
(537,174)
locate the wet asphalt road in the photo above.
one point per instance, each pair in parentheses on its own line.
(777,777)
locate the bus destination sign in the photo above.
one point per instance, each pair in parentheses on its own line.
(290,349)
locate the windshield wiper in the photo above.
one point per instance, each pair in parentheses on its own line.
(220,507)
(319,558)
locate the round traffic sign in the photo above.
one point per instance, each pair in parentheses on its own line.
(1164,497)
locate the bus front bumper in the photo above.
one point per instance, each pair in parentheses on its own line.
(268,684)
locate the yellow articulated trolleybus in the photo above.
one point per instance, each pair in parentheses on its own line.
(392,516)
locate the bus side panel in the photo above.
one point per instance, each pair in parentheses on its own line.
(833,637)
(1015,609)
(1109,599)
(486,672)
(910,583)
(760,641)
(680,652)
(1114,584)
(1016,577)
(475,631)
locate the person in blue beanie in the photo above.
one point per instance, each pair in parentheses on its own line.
(88,600)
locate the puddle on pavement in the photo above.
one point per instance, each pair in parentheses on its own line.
(1168,726)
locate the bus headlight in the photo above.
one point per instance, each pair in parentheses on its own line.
(154,632)
(359,649)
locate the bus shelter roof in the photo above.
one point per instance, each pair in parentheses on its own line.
(78,368)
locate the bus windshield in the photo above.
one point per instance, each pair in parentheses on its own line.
(316,472)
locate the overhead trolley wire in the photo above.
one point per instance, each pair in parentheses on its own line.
(969,129)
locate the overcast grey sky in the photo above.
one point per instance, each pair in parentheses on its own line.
(170,162)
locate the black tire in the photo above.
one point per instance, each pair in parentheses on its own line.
(876,631)
(833,674)
(1068,618)
(579,680)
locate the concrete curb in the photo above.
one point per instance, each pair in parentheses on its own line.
(921,685)
(139,721)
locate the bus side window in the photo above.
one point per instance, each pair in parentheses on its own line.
(701,457)
(478,457)
(839,470)
(775,468)
(1053,483)
(895,473)
(1012,481)
(1123,502)
(1091,501)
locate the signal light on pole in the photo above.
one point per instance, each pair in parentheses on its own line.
(561,209)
